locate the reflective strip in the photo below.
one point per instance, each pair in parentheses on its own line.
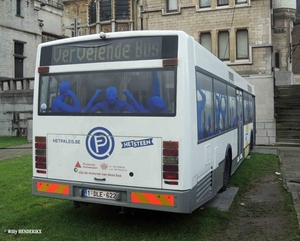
(53,188)
(154,199)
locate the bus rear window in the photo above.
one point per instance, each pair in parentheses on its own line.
(130,93)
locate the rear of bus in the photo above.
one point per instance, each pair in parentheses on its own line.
(106,125)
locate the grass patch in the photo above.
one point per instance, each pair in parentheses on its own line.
(254,168)
(59,221)
(6,141)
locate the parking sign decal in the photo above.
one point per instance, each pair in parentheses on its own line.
(100,143)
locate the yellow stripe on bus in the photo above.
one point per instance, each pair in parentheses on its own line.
(247,140)
(53,188)
(154,199)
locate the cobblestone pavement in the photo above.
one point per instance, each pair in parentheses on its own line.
(15,151)
(290,169)
(289,157)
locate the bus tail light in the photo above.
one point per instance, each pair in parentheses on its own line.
(170,168)
(170,175)
(40,154)
(170,162)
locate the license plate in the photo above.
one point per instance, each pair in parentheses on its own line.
(100,194)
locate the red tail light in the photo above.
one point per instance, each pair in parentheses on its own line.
(170,152)
(40,145)
(40,165)
(170,168)
(40,159)
(41,171)
(40,154)
(170,175)
(170,162)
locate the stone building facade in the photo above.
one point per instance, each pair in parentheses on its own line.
(265,26)
(214,21)
(24,24)
(295,46)
(95,16)
(253,37)
(284,15)
(20,35)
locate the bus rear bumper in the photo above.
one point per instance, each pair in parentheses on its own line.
(129,197)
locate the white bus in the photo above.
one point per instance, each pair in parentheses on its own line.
(140,119)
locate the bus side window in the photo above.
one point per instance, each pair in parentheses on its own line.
(220,106)
(232,107)
(248,108)
(251,108)
(205,115)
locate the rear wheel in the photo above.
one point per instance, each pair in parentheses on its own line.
(251,142)
(226,174)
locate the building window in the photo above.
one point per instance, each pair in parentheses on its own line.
(172,5)
(241,1)
(222,2)
(19,59)
(18,8)
(92,12)
(223,45)
(204,3)
(105,10)
(205,40)
(19,48)
(122,10)
(114,15)
(277,60)
(242,44)
(298,13)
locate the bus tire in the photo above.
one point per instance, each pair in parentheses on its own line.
(226,174)
(251,142)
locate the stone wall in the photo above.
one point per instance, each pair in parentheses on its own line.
(296,50)
(265,121)
(16,107)
(24,29)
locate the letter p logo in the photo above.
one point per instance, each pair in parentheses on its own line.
(100,143)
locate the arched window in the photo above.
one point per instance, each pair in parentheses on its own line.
(122,9)
(92,12)
(112,15)
(105,10)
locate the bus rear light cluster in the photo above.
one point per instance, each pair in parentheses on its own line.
(170,162)
(40,154)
